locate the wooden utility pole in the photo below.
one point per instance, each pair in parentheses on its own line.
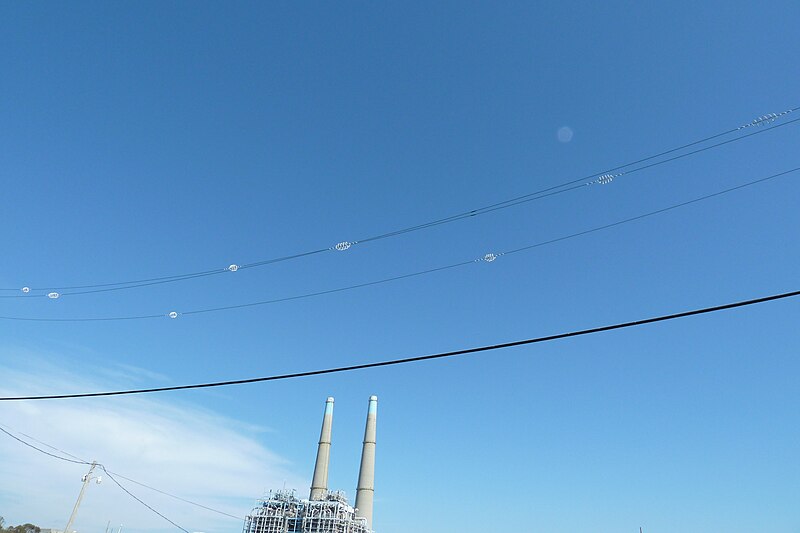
(86,479)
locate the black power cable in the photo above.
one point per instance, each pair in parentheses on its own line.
(420,358)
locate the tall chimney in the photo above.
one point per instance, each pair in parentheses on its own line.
(366,475)
(319,485)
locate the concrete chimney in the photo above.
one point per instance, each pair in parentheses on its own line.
(319,485)
(366,475)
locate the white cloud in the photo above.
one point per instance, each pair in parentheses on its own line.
(182,449)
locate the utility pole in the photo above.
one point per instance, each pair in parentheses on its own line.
(86,479)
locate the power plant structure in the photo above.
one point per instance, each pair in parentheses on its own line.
(324,511)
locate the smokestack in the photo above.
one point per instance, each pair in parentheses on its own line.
(319,485)
(366,475)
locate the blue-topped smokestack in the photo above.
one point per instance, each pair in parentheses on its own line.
(366,475)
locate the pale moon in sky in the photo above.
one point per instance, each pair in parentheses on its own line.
(564,134)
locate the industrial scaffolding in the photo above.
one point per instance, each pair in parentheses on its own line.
(282,512)
(324,511)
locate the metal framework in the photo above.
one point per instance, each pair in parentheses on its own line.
(282,512)
(324,511)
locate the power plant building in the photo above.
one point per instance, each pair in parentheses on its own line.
(324,511)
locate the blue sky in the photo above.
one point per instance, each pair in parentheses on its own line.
(150,139)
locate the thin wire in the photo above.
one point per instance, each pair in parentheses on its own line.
(286,258)
(146,280)
(83,461)
(109,289)
(545,193)
(526,198)
(50,446)
(329,291)
(651,213)
(420,358)
(177,497)
(651,165)
(41,450)
(648,158)
(419,273)
(121,285)
(84,319)
(132,495)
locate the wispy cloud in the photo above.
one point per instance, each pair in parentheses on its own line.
(182,449)
(133,374)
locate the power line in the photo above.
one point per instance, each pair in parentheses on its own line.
(420,358)
(78,460)
(29,445)
(602,177)
(132,495)
(656,212)
(177,497)
(490,257)
(84,461)
(107,287)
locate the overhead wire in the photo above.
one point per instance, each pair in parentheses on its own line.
(7,430)
(419,358)
(29,445)
(344,245)
(34,439)
(581,182)
(132,495)
(653,213)
(177,497)
(135,497)
(558,189)
(489,257)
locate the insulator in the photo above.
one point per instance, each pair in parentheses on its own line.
(764,119)
(53,295)
(233,268)
(26,290)
(605,179)
(344,245)
(489,257)
(173,314)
